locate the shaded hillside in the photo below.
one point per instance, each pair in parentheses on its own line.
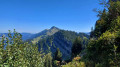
(62,40)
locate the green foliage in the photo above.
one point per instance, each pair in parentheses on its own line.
(103,48)
(58,55)
(77,47)
(115,24)
(18,53)
(2,51)
(75,64)
(101,25)
(85,41)
(48,60)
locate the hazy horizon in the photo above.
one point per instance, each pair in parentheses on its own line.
(43,30)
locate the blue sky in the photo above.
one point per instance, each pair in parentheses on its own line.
(33,16)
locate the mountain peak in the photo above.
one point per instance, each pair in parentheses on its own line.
(53,27)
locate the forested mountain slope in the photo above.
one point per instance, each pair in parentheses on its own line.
(63,40)
(43,34)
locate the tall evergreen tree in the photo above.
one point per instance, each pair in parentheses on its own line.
(77,47)
(58,55)
(48,60)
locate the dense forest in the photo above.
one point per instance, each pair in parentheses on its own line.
(61,48)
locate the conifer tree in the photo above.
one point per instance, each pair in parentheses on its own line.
(77,47)
(58,55)
(48,60)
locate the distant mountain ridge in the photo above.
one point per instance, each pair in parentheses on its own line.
(25,36)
